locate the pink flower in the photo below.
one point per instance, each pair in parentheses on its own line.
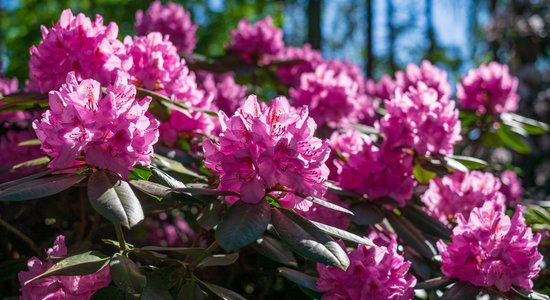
(110,132)
(383,89)
(90,50)
(59,287)
(332,97)
(428,74)
(262,149)
(252,41)
(8,85)
(326,215)
(168,232)
(489,89)
(11,86)
(511,188)
(377,171)
(12,154)
(306,59)
(228,95)
(460,193)
(170,19)
(428,123)
(353,71)
(490,250)
(374,273)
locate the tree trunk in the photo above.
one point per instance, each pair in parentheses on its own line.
(314,23)
(369,65)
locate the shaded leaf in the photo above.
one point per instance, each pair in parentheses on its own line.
(461,291)
(221,291)
(181,250)
(190,290)
(126,275)
(140,172)
(512,139)
(211,216)
(80,264)
(345,235)
(219,260)
(299,278)
(433,283)
(242,224)
(204,192)
(325,203)
(155,288)
(40,188)
(114,199)
(150,188)
(366,214)
(275,250)
(423,221)
(308,240)
(166,179)
(411,235)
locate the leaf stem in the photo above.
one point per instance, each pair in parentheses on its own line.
(120,237)
(23,237)
(204,255)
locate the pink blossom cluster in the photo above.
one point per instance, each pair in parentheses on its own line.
(301,60)
(110,132)
(377,170)
(253,41)
(332,97)
(461,193)
(489,249)
(428,74)
(7,119)
(228,95)
(12,154)
(168,231)
(170,19)
(59,287)
(8,85)
(263,149)
(374,273)
(420,119)
(89,49)
(511,188)
(489,89)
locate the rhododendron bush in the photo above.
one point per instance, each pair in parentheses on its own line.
(269,172)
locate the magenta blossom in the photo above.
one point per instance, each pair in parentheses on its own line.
(228,95)
(305,60)
(8,85)
(428,123)
(110,132)
(489,89)
(377,273)
(7,119)
(168,231)
(266,149)
(511,188)
(332,98)
(389,171)
(12,154)
(430,75)
(460,193)
(490,250)
(90,50)
(170,19)
(59,287)
(353,71)
(252,41)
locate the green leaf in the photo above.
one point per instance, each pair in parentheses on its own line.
(108,293)
(151,188)
(40,188)
(80,264)
(155,288)
(307,240)
(470,162)
(32,163)
(299,278)
(19,181)
(512,139)
(455,164)
(9,269)
(433,283)
(366,214)
(529,125)
(411,235)
(33,142)
(181,250)
(126,275)
(219,260)
(211,215)
(324,203)
(422,175)
(175,166)
(461,291)
(204,192)
(140,172)
(114,199)
(339,233)
(166,179)
(221,291)
(275,250)
(423,221)
(242,224)
(191,290)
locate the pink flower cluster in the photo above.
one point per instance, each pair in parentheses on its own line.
(377,273)
(12,154)
(168,232)
(21,118)
(228,95)
(304,59)
(375,170)
(266,148)
(489,89)
(252,41)
(460,193)
(420,119)
(490,250)
(8,85)
(90,50)
(110,132)
(428,74)
(59,287)
(170,19)
(511,188)
(332,97)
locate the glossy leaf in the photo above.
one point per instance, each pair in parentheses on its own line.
(211,215)
(325,203)
(470,162)
(40,188)
(243,224)
(299,278)
(461,291)
(275,250)
(345,235)
(411,235)
(80,264)
(150,188)
(366,214)
(114,199)
(433,283)
(529,125)
(219,260)
(191,290)
(221,291)
(126,275)
(512,139)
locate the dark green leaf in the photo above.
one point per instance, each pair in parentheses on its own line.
(433,283)
(40,188)
(299,278)
(219,260)
(9,269)
(181,250)
(155,288)
(204,192)
(126,275)
(140,172)
(191,290)
(210,216)
(108,293)
(325,203)
(422,175)
(461,291)
(165,179)
(423,221)
(19,181)
(242,224)
(114,199)
(150,188)
(470,162)
(80,264)
(366,214)
(339,233)
(275,250)
(308,240)
(411,235)
(221,291)
(512,139)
